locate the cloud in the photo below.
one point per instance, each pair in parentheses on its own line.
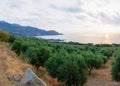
(71,9)
(62,15)
(111,20)
(81,17)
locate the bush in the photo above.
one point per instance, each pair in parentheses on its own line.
(24,47)
(4,36)
(92,61)
(70,69)
(38,56)
(116,68)
(107,52)
(12,38)
(17,47)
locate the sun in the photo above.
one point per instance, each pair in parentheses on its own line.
(107,35)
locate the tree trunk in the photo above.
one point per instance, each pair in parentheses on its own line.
(90,71)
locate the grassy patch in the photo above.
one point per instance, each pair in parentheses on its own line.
(37,73)
(23,58)
(1,43)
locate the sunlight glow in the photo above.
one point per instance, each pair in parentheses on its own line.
(107,38)
(107,35)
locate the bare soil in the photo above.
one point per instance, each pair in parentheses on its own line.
(102,76)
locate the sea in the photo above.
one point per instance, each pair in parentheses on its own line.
(95,39)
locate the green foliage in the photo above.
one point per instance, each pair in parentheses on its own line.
(104,58)
(107,52)
(68,68)
(92,61)
(12,38)
(33,58)
(116,68)
(24,47)
(17,47)
(4,36)
(38,56)
(43,54)
(69,62)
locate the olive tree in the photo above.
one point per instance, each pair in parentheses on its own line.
(116,68)
(38,56)
(70,69)
(92,61)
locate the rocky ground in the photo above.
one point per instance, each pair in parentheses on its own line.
(11,68)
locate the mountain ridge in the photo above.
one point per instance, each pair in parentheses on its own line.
(21,30)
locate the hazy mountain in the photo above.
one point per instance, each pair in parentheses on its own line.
(25,30)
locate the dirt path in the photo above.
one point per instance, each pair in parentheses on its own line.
(102,77)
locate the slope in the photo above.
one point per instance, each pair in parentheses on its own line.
(11,69)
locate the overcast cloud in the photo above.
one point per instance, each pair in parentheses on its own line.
(66,16)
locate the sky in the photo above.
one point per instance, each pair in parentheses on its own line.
(66,16)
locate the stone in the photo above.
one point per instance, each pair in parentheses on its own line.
(16,78)
(31,79)
(9,77)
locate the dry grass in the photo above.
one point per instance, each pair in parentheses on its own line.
(10,65)
(48,79)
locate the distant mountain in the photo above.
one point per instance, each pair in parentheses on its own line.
(25,30)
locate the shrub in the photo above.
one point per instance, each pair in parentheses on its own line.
(107,52)
(70,69)
(38,56)
(4,36)
(17,46)
(116,68)
(92,61)
(12,38)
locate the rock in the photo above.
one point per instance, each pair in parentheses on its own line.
(9,77)
(8,52)
(16,78)
(31,79)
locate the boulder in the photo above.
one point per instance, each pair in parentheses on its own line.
(31,79)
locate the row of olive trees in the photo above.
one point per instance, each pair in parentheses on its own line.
(72,68)
(71,65)
(35,54)
(68,62)
(116,65)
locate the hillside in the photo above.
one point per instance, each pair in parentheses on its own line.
(10,67)
(25,30)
